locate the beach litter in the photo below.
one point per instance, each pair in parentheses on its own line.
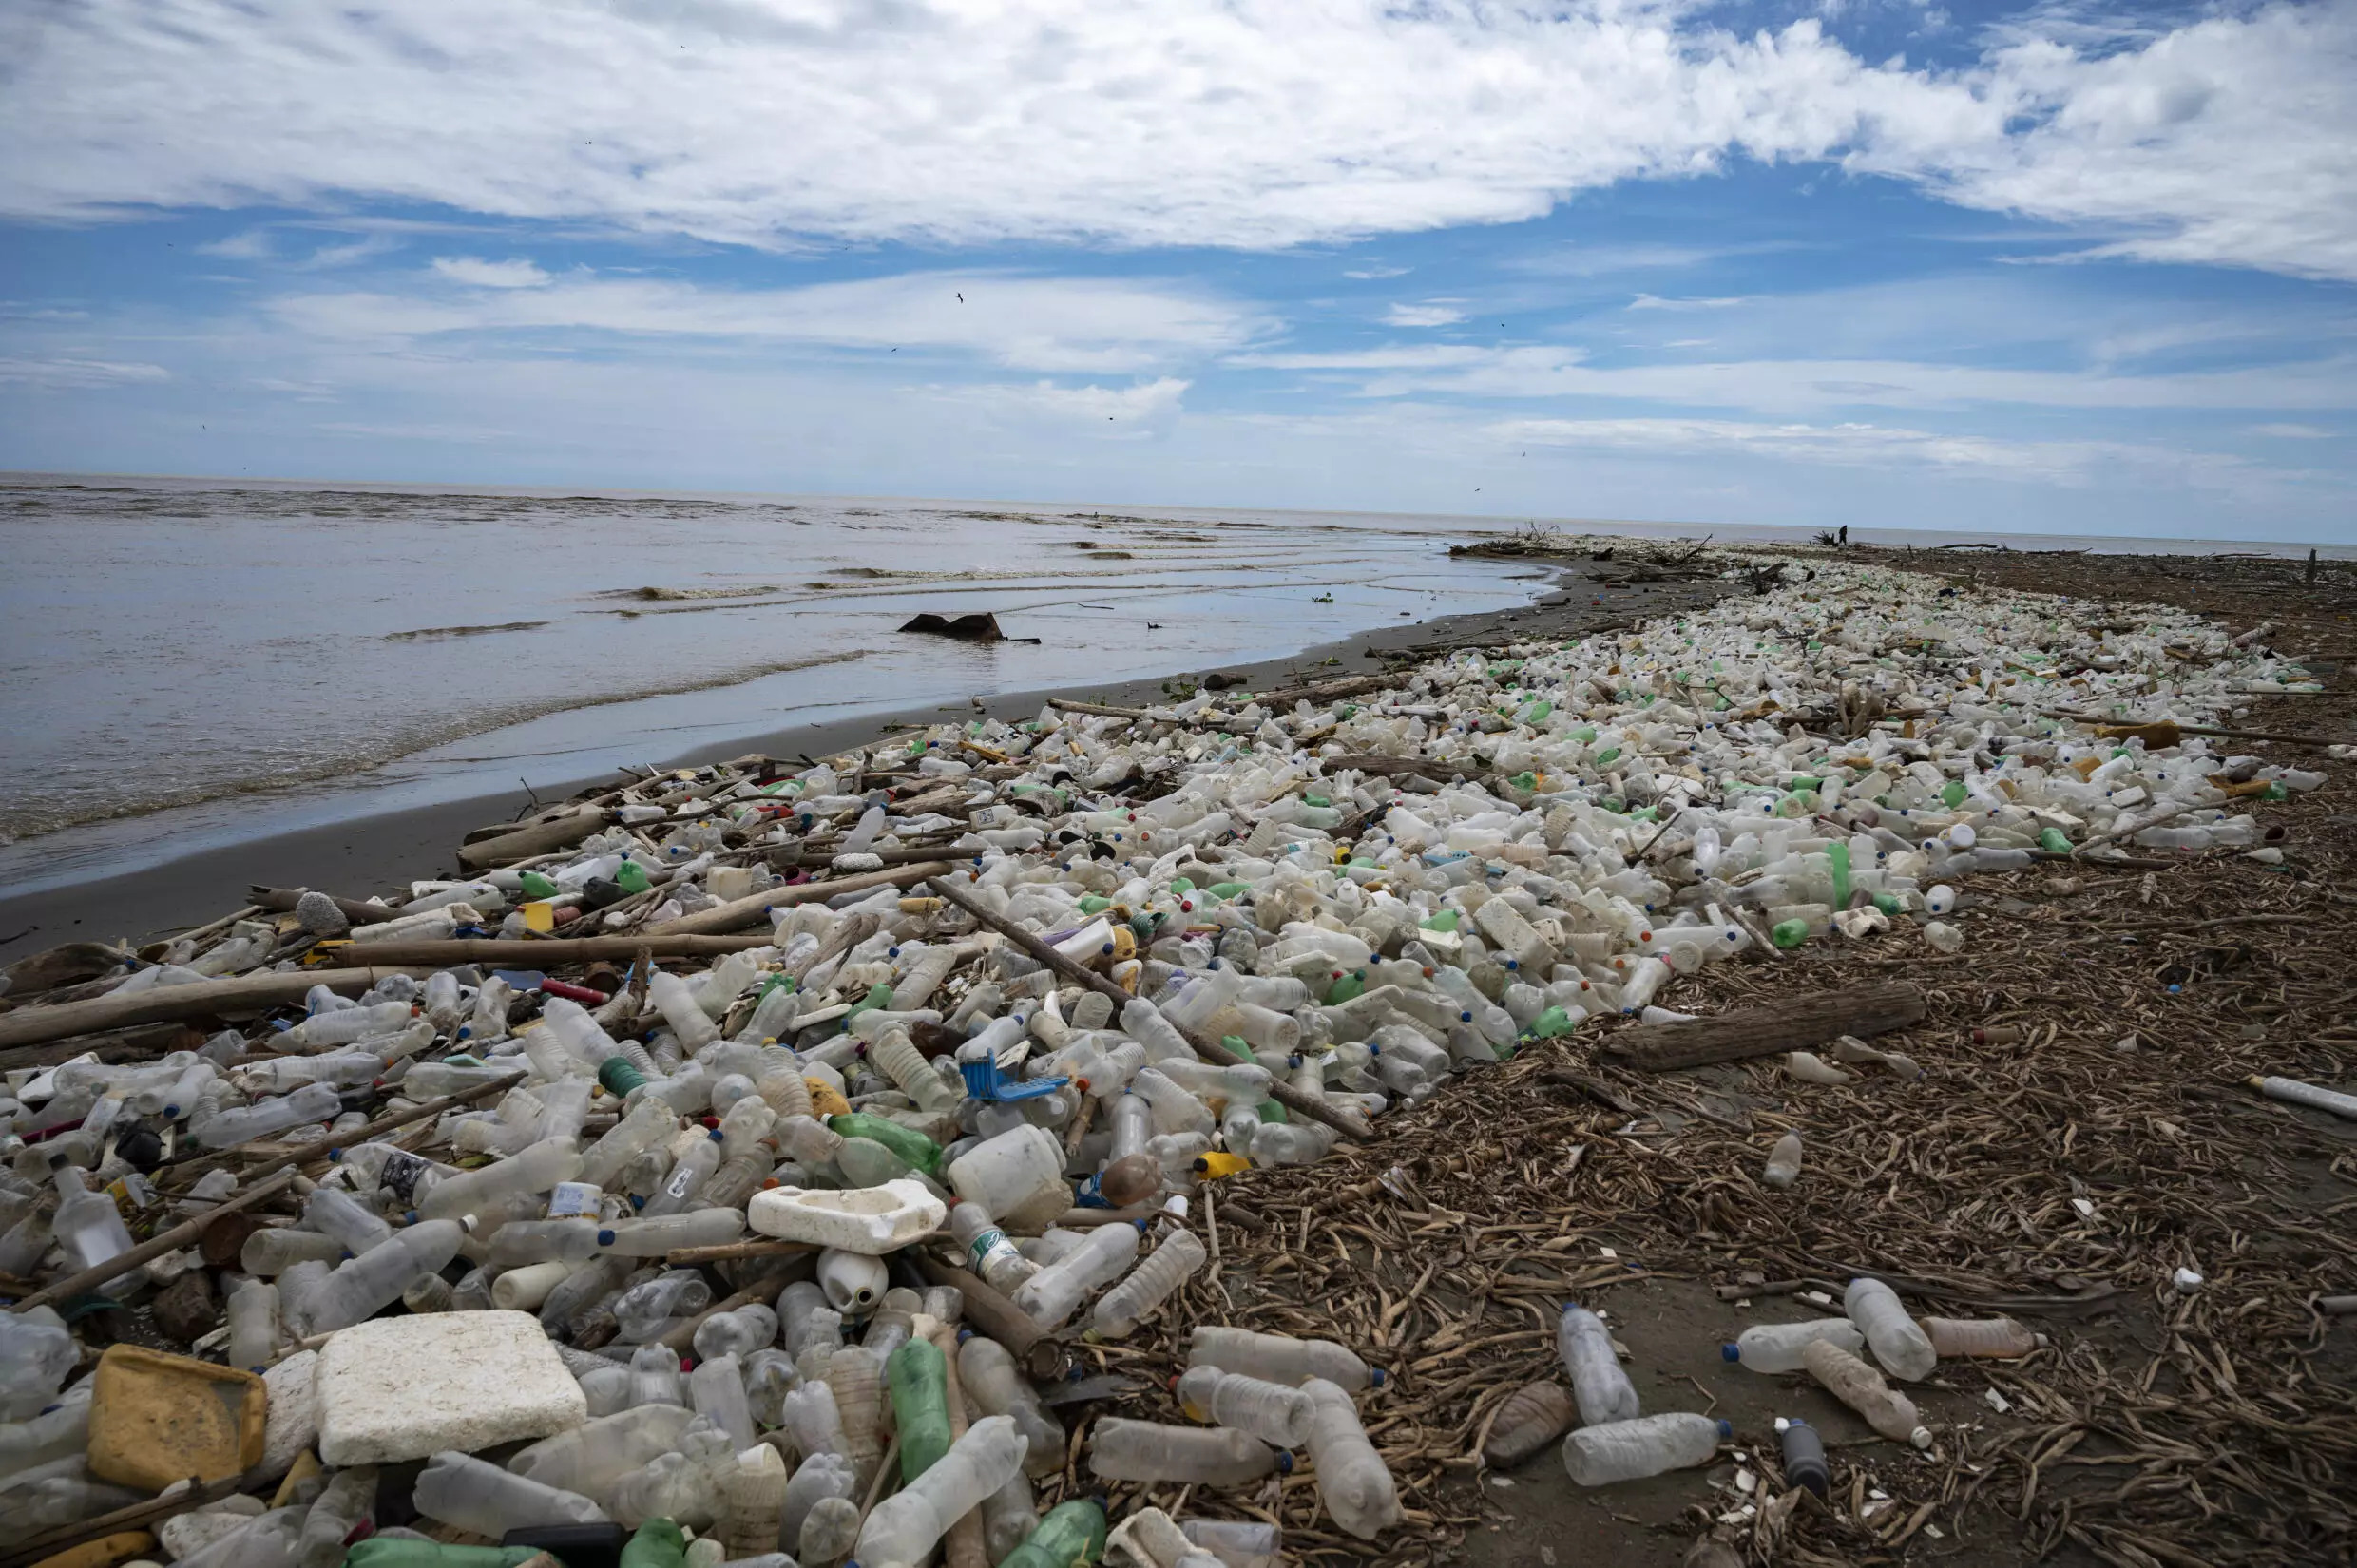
(728,1162)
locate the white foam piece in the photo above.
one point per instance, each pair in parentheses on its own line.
(290,1412)
(406,1388)
(874,1220)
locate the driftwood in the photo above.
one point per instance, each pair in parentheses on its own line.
(1034,1349)
(156,1246)
(560,833)
(360,911)
(140,1043)
(755,907)
(1793,1025)
(1314,1107)
(528,953)
(190,1166)
(240,994)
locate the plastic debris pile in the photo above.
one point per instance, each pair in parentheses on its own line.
(738,1154)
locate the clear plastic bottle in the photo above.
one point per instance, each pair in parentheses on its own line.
(644,1309)
(1992,1339)
(678,1005)
(333,1212)
(86,1227)
(987,1250)
(669,1233)
(1205,1455)
(650,1123)
(589,1457)
(349,1497)
(38,1351)
(1153,1282)
(1269,1411)
(829,1530)
(993,1384)
(1052,1294)
(1862,1388)
(903,1527)
(472,1494)
(1351,1477)
(655,1377)
(1601,1388)
(857,1376)
(252,1324)
(1532,1417)
(535,1170)
(737,1333)
(1277,1358)
(716,1389)
(375,1279)
(1902,1347)
(1647,1445)
(1776,1347)
(899,1059)
(1783,1161)
(820,1476)
(681,1188)
(1237,1544)
(311,1103)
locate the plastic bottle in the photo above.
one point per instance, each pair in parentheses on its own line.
(855,1375)
(459,1489)
(1902,1347)
(918,1377)
(716,1389)
(1351,1477)
(829,1530)
(338,1214)
(669,1233)
(375,1279)
(1783,1161)
(987,1250)
(1862,1388)
(536,1169)
(1153,1282)
(252,1324)
(753,1493)
(1532,1417)
(1601,1390)
(1269,1411)
(348,1499)
(1236,1544)
(655,1377)
(993,1384)
(313,1102)
(1072,1535)
(1277,1358)
(818,1477)
(1776,1346)
(1994,1339)
(1206,1456)
(38,1352)
(1647,1445)
(88,1227)
(905,1527)
(678,1005)
(1052,1295)
(1804,1456)
(737,1333)
(646,1308)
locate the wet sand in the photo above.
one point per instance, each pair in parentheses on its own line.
(368,854)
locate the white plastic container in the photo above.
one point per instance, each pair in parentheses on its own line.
(1018,1176)
(872,1221)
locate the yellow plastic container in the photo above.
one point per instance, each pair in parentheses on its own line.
(156,1419)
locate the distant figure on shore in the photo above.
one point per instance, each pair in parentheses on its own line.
(1844,536)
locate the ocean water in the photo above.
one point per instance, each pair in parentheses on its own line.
(183,663)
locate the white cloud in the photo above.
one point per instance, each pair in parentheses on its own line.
(1655,303)
(1370,273)
(2293,432)
(1148,408)
(477,273)
(1435,313)
(1240,123)
(1031,323)
(251,245)
(78,373)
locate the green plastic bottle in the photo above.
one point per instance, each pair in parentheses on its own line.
(906,1142)
(631,877)
(878,995)
(1072,1534)
(537,885)
(659,1543)
(2053,841)
(919,1380)
(1786,933)
(1550,1024)
(1444,920)
(618,1075)
(1839,855)
(1350,985)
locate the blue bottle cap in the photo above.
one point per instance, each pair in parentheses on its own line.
(1726,1430)
(1284,1467)
(606,1238)
(1730,1352)
(1379,1377)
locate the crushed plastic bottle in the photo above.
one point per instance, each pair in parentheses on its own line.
(1645,1445)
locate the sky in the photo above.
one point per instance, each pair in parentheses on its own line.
(2063,268)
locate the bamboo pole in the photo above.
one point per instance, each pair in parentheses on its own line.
(1313,1106)
(156,1246)
(34,1024)
(745,912)
(362,1134)
(539,953)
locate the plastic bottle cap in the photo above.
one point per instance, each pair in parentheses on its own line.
(1378,1377)
(1284,1467)
(606,1238)
(1730,1352)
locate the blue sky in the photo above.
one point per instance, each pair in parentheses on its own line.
(2056,268)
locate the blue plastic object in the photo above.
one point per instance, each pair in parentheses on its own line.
(984,1081)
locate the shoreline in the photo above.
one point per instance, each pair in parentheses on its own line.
(360,856)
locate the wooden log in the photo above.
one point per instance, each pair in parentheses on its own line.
(1793,1025)
(756,908)
(142,1042)
(528,953)
(1032,1347)
(156,1246)
(533,838)
(1314,1107)
(236,994)
(360,911)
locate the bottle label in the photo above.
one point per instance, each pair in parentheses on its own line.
(400,1173)
(989,1249)
(573,1198)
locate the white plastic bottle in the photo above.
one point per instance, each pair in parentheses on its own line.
(1776,1346)
(1601,1389)
(903,1527)
(1278,1358)
(1052,1294)
(1862,1388)
(1269,1411)
(1783,1162)
(1203,1456)
(462,1490)
(1647,1445)
(1898,1342)
(996,1386)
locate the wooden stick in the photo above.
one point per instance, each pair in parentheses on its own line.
(1313,1106)
(1792,1026)
(765,1287)
(31,1025)
(140,1041)
(40,1547)
(156,1246)
(360,911)
(745,912)
(192,1164)
(728,1251)
(963,1546)
(534,838)
(530,954)
(996,1315)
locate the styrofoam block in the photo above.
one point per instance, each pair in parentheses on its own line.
(290,1412)
(405,1388)
(874,1220)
